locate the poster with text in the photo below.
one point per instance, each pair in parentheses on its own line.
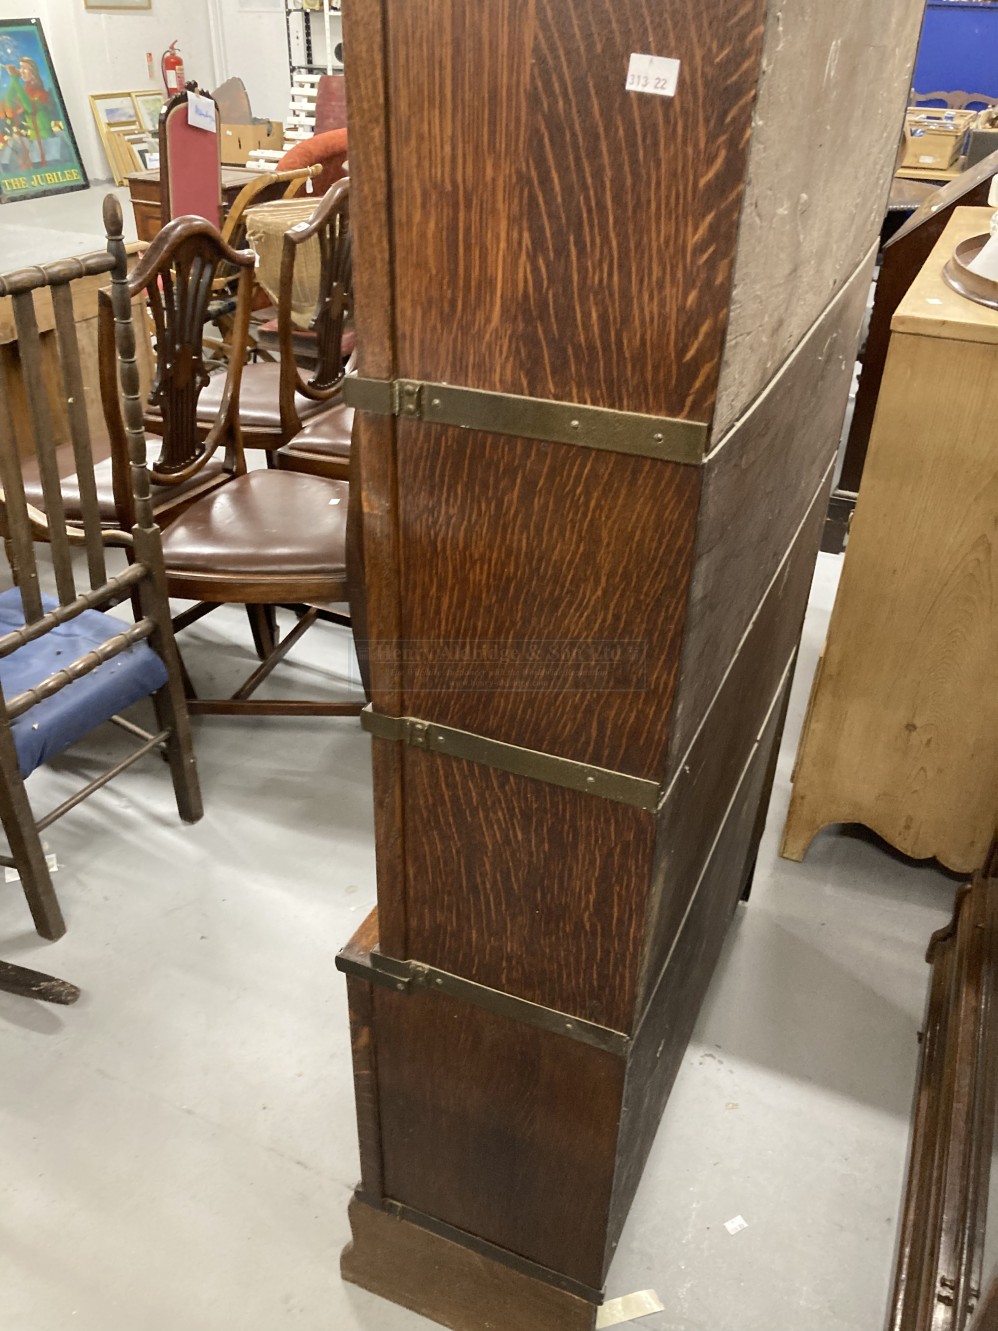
(38,152)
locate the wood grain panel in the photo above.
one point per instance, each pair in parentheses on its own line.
(449,1283)
(587,233)
(658,1049)
(373,460)
(699,796)
(499,1129)
(831,104)
(368,96)
(389,844)
(365,1065)
(901,731)
(756,491)
(544,588)
(500,870)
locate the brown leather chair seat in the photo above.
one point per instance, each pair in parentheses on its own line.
(165,498)
(323,447)
(259,401)
(277,523)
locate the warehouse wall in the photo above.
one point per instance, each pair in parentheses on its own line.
(94,52)
(253,44)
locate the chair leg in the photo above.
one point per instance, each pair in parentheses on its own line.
(169,701)
(263,625)
(172,715)
(33,984)
(26,845)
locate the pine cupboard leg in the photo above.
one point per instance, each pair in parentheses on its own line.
(800,828)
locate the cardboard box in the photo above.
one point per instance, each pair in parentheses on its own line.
(983,140)
(934,136)
(238,141)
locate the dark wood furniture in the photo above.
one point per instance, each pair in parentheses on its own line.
(939,1272)
(65,667)
(34,984)
(260,538)
(145,191)
(904,255)
(85,291)
(277,400)
(599,398)
(262,188)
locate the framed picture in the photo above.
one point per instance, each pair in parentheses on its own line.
(117,4)
(38,150)
(148,105)
(114,112)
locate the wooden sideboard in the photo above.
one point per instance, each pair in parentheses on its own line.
(903,720)
(85,293)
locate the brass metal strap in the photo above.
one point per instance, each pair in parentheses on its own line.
(405,977)
(637,791)
(661,437)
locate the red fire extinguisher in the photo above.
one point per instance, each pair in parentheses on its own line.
(172,65)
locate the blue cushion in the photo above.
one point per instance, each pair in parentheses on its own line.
(46,729)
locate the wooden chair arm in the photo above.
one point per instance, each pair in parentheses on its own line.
(296,179)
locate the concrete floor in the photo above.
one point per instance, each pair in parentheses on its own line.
(177,1150)
(36,231)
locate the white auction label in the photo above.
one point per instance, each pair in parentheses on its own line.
(657,74)
(200,112)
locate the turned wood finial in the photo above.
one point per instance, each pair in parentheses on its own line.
(113,221)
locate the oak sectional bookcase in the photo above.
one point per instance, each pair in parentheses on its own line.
(606,337)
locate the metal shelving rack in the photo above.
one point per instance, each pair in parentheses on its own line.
(301,38)
(313,30)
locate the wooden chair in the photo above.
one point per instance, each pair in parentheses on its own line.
(262,538)
(190,163)
(277,402)
(165,500)
(66,667)
(33,984)
(268,186)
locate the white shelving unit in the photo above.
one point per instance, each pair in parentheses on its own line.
(315,47)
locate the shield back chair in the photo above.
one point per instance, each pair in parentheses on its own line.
(321,444)
(261,538)
(66,666)
(166,500)
(277,400)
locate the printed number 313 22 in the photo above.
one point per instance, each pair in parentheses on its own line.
(642,81)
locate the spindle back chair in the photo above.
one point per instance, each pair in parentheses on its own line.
(65,666)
